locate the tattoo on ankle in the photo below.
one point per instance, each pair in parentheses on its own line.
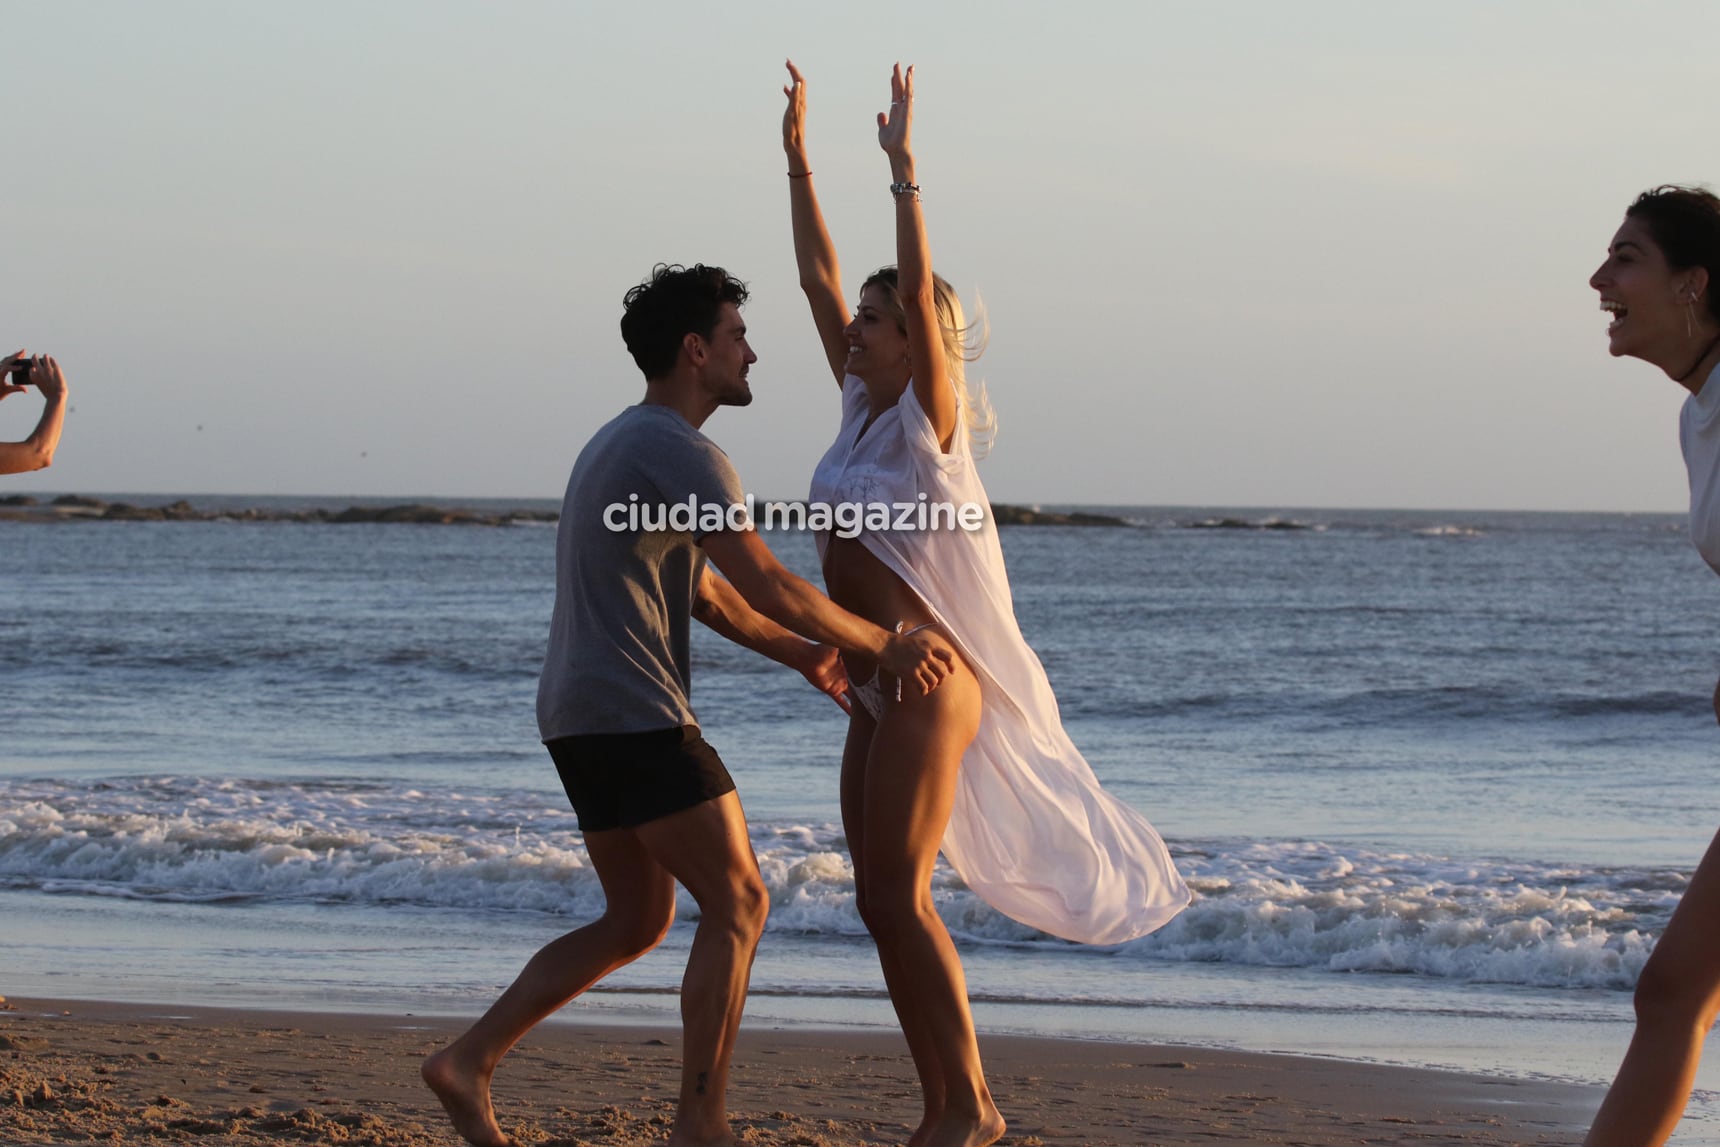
(700,1088)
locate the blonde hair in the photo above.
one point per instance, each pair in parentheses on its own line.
(963,342)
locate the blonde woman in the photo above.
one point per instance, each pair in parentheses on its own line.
(981,766)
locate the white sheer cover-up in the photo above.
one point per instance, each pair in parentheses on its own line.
(1032,832)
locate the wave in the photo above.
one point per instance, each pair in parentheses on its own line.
(1263,903)
(1315,905)
(1502,702)
(1393,706)
(304,660)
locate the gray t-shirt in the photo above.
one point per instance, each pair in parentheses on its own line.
(618,660)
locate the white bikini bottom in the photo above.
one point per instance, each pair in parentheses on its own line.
(869,694)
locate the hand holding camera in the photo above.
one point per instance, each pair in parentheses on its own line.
(17,369)
(23,369)
(36,452)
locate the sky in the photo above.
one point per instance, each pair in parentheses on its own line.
(1233,254)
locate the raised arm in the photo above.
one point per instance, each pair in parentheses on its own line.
(814,253)
(37,451)
(914,263)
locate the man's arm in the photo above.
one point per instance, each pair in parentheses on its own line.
(790,601)
(37,451)
(721,607)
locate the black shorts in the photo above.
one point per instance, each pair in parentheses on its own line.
(623,780)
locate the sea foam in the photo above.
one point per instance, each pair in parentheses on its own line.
(1311,905)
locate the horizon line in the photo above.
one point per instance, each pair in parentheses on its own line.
(1038,504)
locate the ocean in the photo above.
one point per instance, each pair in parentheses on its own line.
(1437,778)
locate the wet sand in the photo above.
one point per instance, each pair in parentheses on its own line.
(91,1072)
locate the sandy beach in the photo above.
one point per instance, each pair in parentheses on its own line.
(79,1071)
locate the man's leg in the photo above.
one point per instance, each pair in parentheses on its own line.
(707,849)
(640,906)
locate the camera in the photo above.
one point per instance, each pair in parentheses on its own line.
(20,372)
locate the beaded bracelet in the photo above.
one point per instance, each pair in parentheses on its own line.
(906,189)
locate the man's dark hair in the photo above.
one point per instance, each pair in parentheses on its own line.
(674,302)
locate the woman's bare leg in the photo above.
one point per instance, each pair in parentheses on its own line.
(920,1044)
(1677,998)
(909,789)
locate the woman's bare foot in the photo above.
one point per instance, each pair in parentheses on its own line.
(726,1139)
(465,1096)
(958,1131)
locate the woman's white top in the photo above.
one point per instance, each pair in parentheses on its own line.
(1032,832)
(1699,436)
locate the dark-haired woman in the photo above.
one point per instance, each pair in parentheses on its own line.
(1661,284)
(981,766)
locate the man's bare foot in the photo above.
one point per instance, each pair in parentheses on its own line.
(466,1098)
(959,1131)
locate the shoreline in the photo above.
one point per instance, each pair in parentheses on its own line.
(73,1070)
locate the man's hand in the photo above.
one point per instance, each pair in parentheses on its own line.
(752,572)
(925,656)
(822,666)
